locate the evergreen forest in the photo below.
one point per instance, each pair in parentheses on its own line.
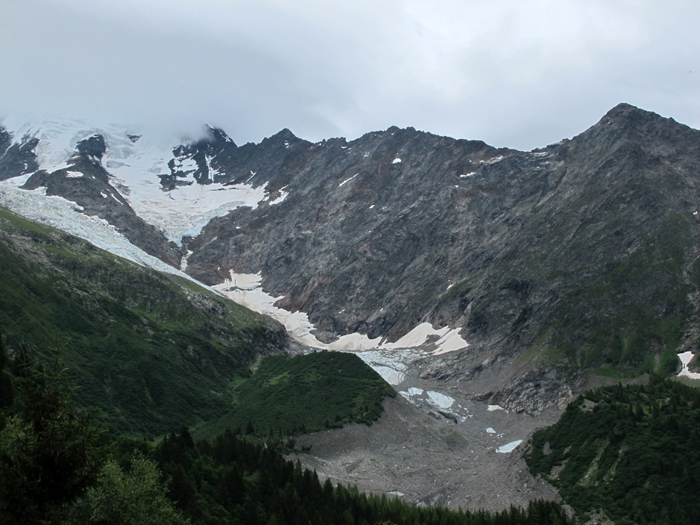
(59,466)
(632,452)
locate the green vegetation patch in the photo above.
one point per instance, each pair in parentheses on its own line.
(152,351)
(306,393)
(632,451)
(632,309)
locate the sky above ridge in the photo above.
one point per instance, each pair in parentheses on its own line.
(516,73)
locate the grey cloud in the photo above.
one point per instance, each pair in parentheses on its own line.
(514,73)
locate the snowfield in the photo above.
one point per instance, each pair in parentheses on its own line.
(510,447)
(388,359)
(134,162)
(65,215)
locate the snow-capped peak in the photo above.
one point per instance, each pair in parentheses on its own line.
(138,164)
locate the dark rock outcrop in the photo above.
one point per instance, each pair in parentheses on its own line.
(17,158)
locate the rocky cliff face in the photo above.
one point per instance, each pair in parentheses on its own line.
(579,255)
(584,250)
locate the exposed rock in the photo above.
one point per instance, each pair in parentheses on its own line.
(17,158)
(533,393)
(574,248)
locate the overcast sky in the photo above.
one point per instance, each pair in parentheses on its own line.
(517,73)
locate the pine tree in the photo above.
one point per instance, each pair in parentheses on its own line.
(49,452)
(6,391)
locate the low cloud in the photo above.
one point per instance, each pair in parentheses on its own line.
(513,73)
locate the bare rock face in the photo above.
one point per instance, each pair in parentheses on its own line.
(583,251)
(16,158)
(533,393)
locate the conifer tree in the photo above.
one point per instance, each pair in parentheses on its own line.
(49,452)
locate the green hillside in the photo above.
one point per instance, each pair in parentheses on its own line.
(151,350)
(305,394)
(633,452)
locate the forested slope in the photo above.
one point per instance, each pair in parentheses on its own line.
(56,467)
(632,451)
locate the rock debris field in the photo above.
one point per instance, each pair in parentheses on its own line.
(424,454)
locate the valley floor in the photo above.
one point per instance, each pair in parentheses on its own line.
(426,458)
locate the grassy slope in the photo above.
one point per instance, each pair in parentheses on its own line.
(633,451)
(632,311)
(306,393)
(152,350)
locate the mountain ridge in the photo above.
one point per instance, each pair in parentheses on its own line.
(574,257)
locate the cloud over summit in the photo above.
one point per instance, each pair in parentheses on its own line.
(513,73)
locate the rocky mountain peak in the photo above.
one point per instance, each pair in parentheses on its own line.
(284,138)
(626,112)
(93,147)
(218,135)
(639,124)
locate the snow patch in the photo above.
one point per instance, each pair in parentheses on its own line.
(347,180)
(510,447)
(450,342)
(19,181)
(433,400)
(440,400)
(183,261)
(185,165)
(396,161)
(73,175)
(283,195)
(388,359)
(490,431)
(685,358)
(213,172)
(493,408)
(465,175)
(253,297)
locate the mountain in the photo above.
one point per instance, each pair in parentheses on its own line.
(521,273)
